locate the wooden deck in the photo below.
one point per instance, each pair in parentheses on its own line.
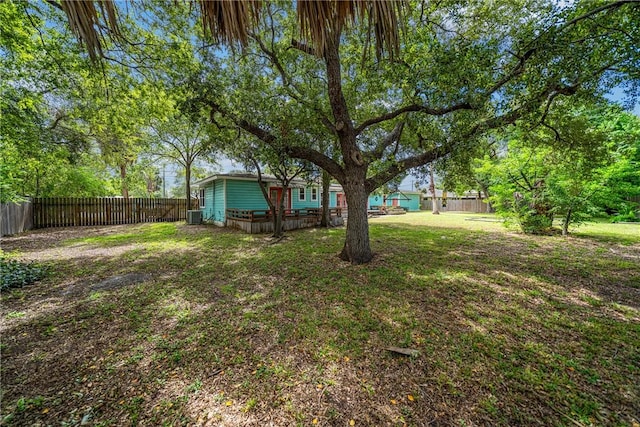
(261,221)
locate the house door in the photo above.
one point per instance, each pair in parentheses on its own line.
(394,202)
(275,194)
(341,200)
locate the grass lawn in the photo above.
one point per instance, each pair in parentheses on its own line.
(168,324)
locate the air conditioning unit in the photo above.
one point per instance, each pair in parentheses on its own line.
(194,217)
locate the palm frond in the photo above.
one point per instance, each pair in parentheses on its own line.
(85,22)
(227,21)
(230,21)
(320,20)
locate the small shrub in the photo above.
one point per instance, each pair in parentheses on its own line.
(15,274)
(533,223)
(629,216)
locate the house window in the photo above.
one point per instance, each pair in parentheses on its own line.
(314,194)
(301,194)
(201,197)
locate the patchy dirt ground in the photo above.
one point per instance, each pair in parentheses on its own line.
(192,325)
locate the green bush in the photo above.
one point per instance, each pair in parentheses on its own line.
(535,224)
(628,213)
(14,274)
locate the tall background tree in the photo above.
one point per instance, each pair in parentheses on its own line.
(70,128)
(183,141)
(45,149)
(578,167)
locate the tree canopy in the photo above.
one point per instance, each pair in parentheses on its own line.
(302,77)
(464,71)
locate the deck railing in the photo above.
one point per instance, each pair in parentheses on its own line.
(265,215)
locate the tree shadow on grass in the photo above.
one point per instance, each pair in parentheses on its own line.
(229,331)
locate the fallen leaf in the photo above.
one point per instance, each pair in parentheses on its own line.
(352,422)
(394,402)
(229,402)
(319,386)
(410,397)
(45,410)
(315,421)
(346,358)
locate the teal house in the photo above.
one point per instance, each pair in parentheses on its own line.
(409,200)
(233,200)
(376,200)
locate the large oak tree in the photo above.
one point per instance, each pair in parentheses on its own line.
(459,71)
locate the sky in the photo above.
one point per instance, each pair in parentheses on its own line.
(617,95)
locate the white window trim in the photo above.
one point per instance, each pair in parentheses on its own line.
(302,194)
(314,194)
(202,197)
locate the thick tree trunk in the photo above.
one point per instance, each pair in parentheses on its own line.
(357,249)
(325,220)
(274,217)
(278,225)
(123,178)
(356,246)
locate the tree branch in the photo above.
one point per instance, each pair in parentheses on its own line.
(261,184)
(391,137)
(317,158)
(412,108)
(302,47)
(304,153)
(289,83)
(404,165)
(610,5)
(339,107)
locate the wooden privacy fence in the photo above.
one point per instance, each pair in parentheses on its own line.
(464,205)
(74,211)
(15,218)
